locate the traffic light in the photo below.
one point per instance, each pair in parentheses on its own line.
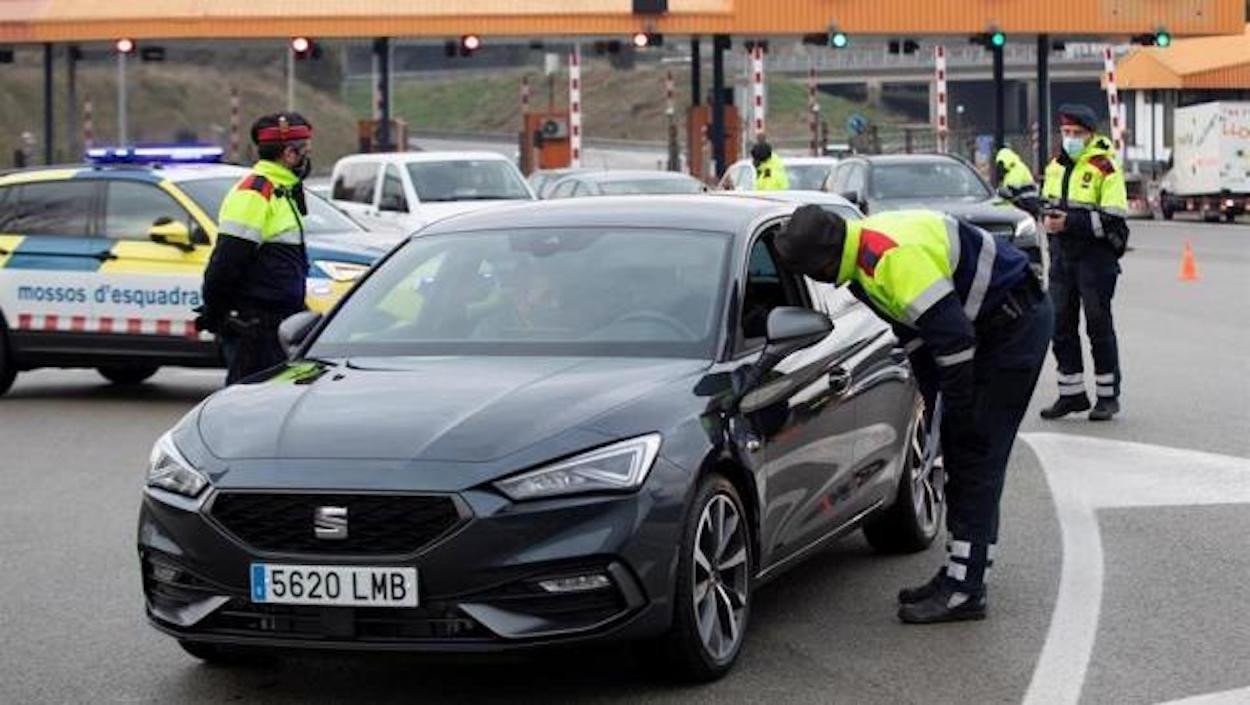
(1160,38)
(642,40)
(124,46)
(469,43)
(305,48)
(994,39)
(903,46)
(838,40)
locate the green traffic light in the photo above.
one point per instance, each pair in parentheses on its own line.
(1163,39)
(998,39)
(838,40)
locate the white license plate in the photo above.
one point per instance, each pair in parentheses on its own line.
(334,585)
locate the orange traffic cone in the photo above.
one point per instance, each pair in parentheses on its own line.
(1189,269)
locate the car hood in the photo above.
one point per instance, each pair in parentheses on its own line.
(453,409)
(989,211)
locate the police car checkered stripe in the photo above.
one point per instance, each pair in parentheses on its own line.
(55,323)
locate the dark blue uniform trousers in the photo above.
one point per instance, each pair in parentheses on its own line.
(1084,278)
(1007,364)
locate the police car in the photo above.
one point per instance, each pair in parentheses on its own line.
(101,264)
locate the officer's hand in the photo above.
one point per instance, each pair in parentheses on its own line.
(207,320)
(1055,222)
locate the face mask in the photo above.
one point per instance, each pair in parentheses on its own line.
(1073,146)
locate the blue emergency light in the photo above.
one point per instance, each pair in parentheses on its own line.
(157,154)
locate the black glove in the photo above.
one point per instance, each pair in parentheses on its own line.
(207,319)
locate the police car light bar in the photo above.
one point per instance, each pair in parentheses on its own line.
(156,154)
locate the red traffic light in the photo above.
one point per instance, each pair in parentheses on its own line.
(125,46)
(470,42)
(642,40)
(301,45)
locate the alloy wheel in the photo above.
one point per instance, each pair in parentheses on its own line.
(721,574)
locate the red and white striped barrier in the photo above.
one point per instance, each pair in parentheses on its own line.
(525,95)
(813,108)
(53,323)
(88,125)
(669,108)
(1113,101)
(757,90)
(575,106)
(939,65)
(234,124)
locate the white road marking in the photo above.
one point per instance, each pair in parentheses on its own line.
(1088,474)
(1241,696)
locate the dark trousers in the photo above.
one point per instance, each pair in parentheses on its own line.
(1085,280)
(251,345)
(1008,361)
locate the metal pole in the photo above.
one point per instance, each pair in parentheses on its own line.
(382,47)
(290,78)
(48,135)
(1154,158)
(719,43)
(1043,101)
(696,71)
(71,96)
(999,104)
(121,98)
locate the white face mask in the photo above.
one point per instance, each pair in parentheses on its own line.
(1073,146)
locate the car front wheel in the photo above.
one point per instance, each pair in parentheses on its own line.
(713,595)
(8,368)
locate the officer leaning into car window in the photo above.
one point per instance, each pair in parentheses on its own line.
(256,275)
(770,173)
(976,325)
(1086,227)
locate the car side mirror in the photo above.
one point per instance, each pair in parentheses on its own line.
(855,197)
(171,232)
(789,329)
(1005,193)
(294,330)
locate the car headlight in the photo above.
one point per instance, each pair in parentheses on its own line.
(168,470)
(620,467)
(341,271)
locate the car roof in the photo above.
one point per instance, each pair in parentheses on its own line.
(633,175)
(688,212)
(151,173)
(409,157)
(929,158)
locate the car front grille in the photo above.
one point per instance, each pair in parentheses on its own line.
(377,524)
(239,617)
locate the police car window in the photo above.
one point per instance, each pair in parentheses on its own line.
(767,287)
(132,208)
(355,182)
(393,191)
(53,208)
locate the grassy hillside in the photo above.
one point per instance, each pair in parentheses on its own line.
(618,104)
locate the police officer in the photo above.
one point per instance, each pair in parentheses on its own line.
(256,275)
(976,325)
(1085,224)
(770,173)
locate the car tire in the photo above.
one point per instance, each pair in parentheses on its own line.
(127,374)
(684,652)
(915,518)
(8,368)
(217,655)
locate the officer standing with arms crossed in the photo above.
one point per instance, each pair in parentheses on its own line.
(1085,221)
(976,325)
(256,275)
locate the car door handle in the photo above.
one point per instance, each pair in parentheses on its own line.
(105,255)
(839,380)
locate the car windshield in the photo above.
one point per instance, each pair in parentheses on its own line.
(946,179)
(466,180)
(575,291)
(650,186)
(322,217)
(807,177)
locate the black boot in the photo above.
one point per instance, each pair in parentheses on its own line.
(909,595)
(1067,404)
(951,602)
(1105,409)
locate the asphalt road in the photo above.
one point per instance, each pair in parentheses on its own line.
(1142,602)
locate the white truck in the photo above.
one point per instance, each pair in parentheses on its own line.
(1210,170)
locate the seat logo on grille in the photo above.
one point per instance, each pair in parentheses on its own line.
(330,523)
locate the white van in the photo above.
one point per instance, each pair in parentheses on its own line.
(402,191)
